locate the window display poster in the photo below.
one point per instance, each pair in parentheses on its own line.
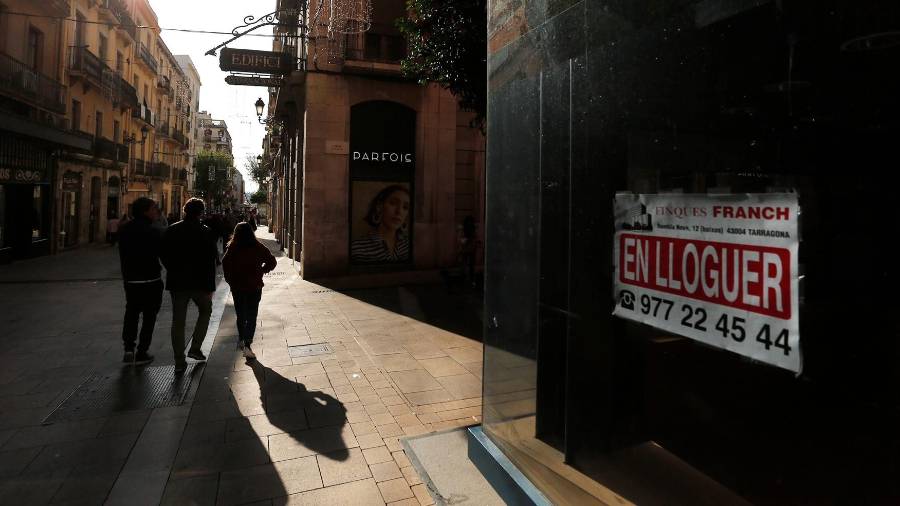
(380,215)
(720,269)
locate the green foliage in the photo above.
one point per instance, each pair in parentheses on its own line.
(212,189)
(258,172)
(447,44)
(260,197)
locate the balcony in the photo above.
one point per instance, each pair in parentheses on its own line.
(83,63)
(126,24)
(56,7)
(128,95)
(179,137)
(164,84)
(143,114)
(105,148)
(163,129)
(106,11)
(147,57)
(180,178)
(139,167)
(22,83)
(376,47)
(158,170)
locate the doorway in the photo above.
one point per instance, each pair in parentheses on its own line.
(94,231)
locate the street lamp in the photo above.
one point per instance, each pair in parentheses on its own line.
(260,105)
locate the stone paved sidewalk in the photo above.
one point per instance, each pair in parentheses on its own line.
(322,429)
(291,428)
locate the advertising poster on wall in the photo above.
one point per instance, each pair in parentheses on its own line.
(380,218)
(720,269)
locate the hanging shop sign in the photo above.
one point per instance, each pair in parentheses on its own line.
(252,61)
(254,81)
(71,181)
(720,269)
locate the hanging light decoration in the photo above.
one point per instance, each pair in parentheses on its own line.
(349,16)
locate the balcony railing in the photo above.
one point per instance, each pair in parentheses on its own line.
(158,170)
(57,7)
(82,61)
(128,94)
(144,114)
(376,47)
(19,81)
(121,11)
(163,129)
(179,137)
(139,167)
(180,177)
(105,148)
(164,84)
(147,58)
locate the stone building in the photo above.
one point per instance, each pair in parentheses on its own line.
(374,173)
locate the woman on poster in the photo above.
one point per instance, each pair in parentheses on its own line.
(388,240)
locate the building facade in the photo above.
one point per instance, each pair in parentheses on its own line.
(626,140)
(192,102)
(374,174)
(93,87)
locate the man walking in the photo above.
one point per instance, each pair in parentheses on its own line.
(139,250)
(189,253)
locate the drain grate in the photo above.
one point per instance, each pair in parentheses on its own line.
(131,388)
(322,291)
(309,350)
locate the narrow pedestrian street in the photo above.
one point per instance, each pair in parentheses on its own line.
(316,419)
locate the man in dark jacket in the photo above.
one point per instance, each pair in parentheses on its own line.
(139,249)
(189,253)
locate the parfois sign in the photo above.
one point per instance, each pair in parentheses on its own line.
(718,269)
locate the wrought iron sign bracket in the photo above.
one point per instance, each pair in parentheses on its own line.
(252,23)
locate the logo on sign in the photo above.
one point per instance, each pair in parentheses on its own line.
(374,156)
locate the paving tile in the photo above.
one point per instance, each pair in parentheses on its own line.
(356,493)
(391,429)
(363,428)
(13,462)
(125,423)
(415,381)
(411,475)
(393,400)
(337,469)
(372,440)
(97,453)
(462,386)
(268,481)
(422,495)
(401,459)
(395,490)
(34,488)
(385,471)
(415,430)
(377,455)
(374,409)
(393,444)
(443,366)
(407,419)
(405,502)
(429,397)
(196,490)
(310,442)
(463,355)
(88,484)
(55,433)
(382,419)
(209,459)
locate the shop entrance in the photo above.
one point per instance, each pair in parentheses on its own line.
(94,232)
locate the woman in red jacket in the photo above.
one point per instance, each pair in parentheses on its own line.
(244,263)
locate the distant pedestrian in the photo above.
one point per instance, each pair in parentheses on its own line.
(139,255)
(252,220)
(245,262)
(189,253)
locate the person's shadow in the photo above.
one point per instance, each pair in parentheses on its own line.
(324,415)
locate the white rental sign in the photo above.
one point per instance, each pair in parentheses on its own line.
(721,269)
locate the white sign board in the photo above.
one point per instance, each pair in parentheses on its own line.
(720,269)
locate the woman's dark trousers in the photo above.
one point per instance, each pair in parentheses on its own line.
(246,305)
(141,299)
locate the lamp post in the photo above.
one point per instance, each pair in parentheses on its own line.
(132,140)
(260,106)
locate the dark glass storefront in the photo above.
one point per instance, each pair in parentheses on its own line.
(25,198)
(705,102)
